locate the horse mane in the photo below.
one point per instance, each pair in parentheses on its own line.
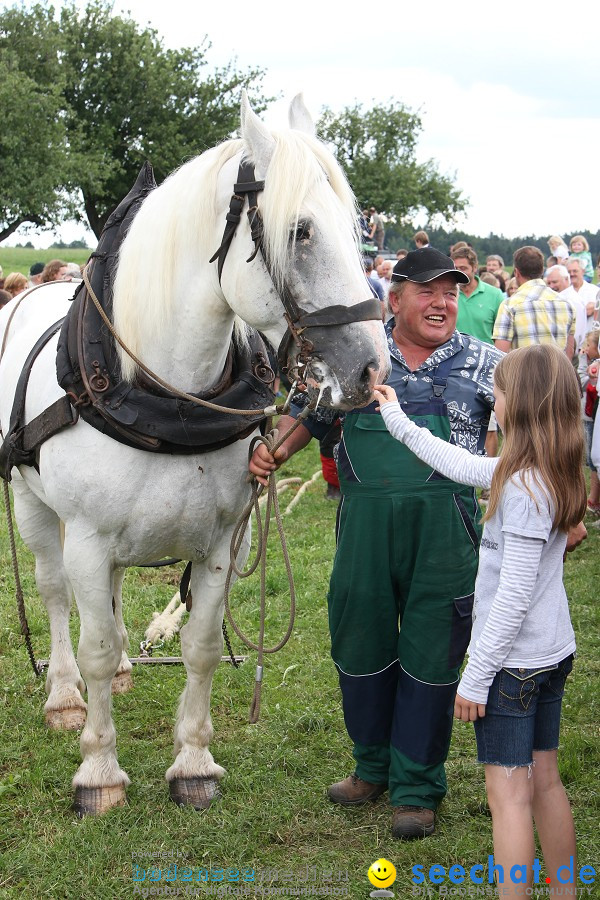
(174,229)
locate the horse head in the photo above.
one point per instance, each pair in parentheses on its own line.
(290,269)
(311,297)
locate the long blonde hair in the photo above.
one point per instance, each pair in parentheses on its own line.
(543,431)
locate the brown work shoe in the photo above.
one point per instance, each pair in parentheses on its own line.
(412,822)
(353,791)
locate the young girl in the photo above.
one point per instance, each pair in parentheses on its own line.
(522,643)
(580,248)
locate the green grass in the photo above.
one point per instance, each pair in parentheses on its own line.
(273,813)
(20,259)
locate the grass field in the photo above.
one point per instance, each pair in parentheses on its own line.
(20,259)
(273,815)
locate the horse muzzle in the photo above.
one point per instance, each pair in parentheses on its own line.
(341,365)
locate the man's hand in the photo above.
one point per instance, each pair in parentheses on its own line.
(383,393)
(467,711)
(262,463)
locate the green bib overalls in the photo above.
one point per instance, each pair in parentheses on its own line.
(400,600)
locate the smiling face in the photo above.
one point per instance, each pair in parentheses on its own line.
(556,281)
(425,314)
(576,273)
(382,873)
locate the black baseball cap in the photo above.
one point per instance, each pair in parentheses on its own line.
(426,264)
(36,269)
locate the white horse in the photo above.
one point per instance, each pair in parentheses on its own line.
(123,506)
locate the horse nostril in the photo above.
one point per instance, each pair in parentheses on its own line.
(369,373)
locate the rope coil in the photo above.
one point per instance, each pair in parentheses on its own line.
(272,441)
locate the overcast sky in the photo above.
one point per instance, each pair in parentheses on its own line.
(508,92)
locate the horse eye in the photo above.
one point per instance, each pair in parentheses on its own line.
(301,232)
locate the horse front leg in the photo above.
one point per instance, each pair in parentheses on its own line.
(194,776)
(39,527)
(99,782)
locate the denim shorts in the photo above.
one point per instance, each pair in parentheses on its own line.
(522,714)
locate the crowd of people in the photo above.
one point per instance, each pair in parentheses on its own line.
(15,283)
(542,300)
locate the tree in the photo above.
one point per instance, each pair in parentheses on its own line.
(33,166)
(119,98)
(376,148)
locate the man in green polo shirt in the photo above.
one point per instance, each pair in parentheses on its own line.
(478,305)
(478,302)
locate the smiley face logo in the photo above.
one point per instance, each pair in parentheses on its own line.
(381,873)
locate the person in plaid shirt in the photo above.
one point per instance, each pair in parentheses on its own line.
(534,314)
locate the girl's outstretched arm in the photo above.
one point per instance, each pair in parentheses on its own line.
(453,462)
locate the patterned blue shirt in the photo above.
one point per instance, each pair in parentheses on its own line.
(469,391)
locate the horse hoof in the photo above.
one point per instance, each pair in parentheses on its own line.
(197,792)
(121,683)
(70,719)
(96,801)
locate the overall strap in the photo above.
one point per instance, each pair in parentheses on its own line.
(440,377)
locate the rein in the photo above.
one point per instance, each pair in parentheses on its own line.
(272,441)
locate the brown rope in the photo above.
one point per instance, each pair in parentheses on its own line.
(268,411)
(272,441)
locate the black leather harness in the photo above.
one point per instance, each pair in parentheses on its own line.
(22,441)
(143,414)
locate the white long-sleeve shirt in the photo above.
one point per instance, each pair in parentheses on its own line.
(521,613)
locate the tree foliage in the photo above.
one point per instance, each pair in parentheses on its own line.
(33,134)
(377,149)
(108,96)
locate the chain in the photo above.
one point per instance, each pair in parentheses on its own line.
(19,592)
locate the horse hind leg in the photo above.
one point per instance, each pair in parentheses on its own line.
(39,526)
(194,776)
(122,681)
(99,782)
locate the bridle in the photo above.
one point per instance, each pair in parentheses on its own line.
(298,320)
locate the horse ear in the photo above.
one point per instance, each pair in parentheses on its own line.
(257,136)
(300,118)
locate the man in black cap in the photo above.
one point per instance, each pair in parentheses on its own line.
(401,592)
(35,273)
